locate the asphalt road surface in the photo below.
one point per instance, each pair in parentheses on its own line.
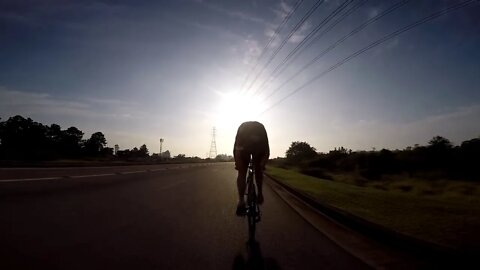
(155,218)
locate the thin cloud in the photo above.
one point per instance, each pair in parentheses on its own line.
(252,51)
(233,13)
(301,33)
(457,125)
(115,102)
(372,12)
(16,18)
(13,102)
(280,11)
(214,29)
(458,114)
(16,99)
(36,15)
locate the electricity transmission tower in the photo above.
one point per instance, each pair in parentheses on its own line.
(213,146)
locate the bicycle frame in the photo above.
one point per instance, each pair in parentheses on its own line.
(253,210)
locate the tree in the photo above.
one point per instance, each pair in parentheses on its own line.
(179,156)
(300,151)
(71,141)
(107,152)
(472,146)
(22,138)
(440,143)
(54,133)
(95,144)
(223,157)
(143,151)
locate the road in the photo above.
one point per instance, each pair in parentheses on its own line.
(170,218)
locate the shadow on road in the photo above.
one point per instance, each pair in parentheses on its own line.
(254,260)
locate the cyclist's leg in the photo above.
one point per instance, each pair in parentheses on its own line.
(241,184)
(260,160)
(241,161)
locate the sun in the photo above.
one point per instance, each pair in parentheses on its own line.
(235,108)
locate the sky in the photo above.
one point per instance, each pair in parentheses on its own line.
(139,71)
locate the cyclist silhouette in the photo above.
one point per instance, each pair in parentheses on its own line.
(252,140)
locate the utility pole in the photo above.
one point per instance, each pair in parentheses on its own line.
(213,146)
(161,143)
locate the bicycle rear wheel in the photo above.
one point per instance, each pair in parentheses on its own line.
(251,208)
(252,222)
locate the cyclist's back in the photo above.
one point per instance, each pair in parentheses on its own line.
(251,139)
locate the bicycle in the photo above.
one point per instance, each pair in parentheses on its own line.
(253,210)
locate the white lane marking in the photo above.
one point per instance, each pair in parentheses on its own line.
(30,179)
(91,175)
(133,172)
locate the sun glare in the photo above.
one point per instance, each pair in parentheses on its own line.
(235,108)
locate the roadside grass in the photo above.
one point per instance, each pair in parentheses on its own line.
(440,187)
(420,186)
(446,213)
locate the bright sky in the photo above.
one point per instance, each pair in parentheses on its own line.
(143,70)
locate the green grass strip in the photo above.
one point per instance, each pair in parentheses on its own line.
(449,221)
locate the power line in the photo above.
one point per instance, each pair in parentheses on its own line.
(275,34)
(307,38)
(374,44)
(292,32)
(281,67)
(338,42)
(346,14)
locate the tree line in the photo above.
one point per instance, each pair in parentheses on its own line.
(439,159)
(22,139)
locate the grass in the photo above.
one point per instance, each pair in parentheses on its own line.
(419,186)
(445,213)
